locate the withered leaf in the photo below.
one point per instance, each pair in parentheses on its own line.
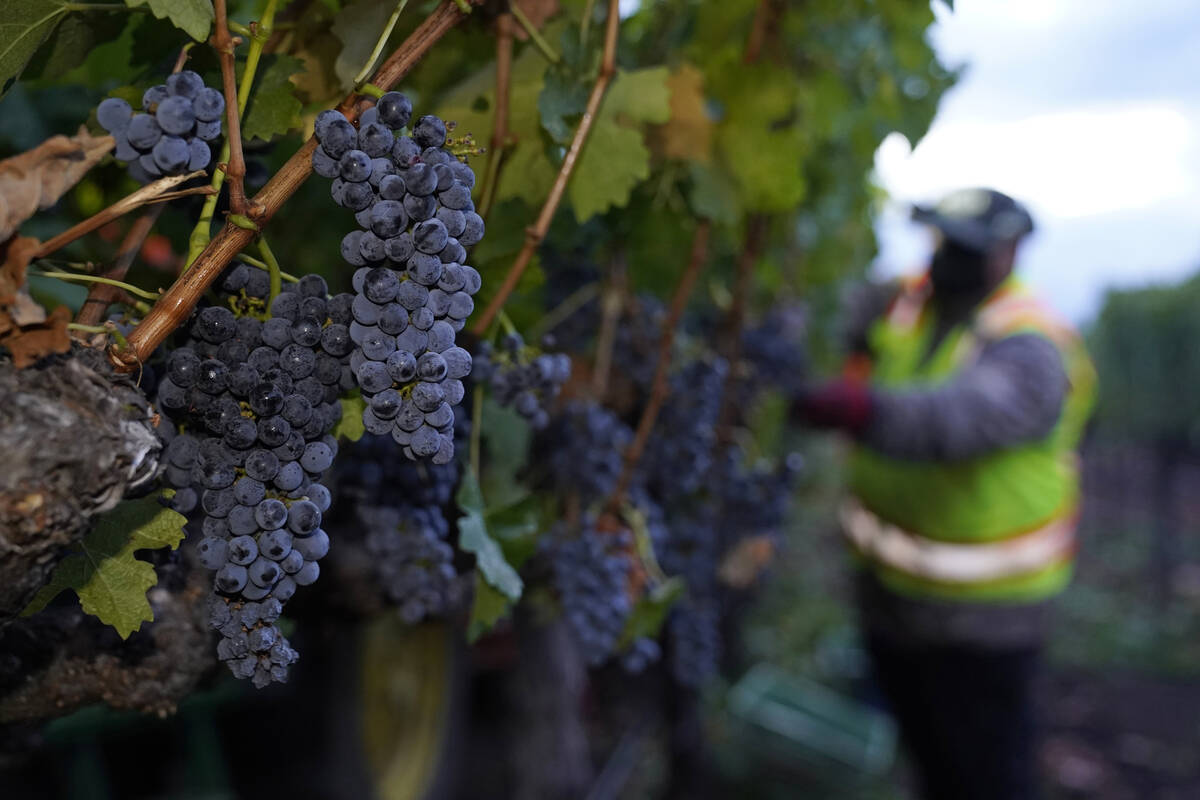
(36,178)
(16,254)
(30,343)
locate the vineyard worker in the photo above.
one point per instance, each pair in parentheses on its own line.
(966,400)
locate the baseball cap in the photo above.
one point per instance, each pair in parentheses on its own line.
(977,218)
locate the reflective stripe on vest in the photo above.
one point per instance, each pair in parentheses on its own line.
(957,563)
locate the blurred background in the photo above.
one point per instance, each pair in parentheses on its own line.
(1088,112)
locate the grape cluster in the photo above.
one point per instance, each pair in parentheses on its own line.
(255,402)
(695,638)
(399,518)
(582,449)
(413,290)
(369,472)
(679,452)
(774,350)
(591,575)
(171,137)
(251,645)
(413,559)
(522,378)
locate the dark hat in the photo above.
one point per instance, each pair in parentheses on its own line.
(977,218)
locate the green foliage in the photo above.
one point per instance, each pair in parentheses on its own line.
(488,608)
(473,538)
(358,26)
(1143,344)
(650,611)
(193,17)
(110,582)
(615,158)
(273,109)
(350,426)
(26,24)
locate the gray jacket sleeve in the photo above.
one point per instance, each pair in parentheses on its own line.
(1013,393)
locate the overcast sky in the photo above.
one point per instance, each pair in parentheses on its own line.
(1086,110)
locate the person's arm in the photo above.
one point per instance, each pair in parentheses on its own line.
(1013,394)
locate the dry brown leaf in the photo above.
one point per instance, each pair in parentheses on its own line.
(537,12)
(688,136)
(31,343)
(742,565)
(36,178)
(18,252)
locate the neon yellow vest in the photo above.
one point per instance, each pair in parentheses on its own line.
(990,498)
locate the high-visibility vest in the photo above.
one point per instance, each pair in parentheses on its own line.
(998,527)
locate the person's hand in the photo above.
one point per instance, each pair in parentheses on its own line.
(841,404)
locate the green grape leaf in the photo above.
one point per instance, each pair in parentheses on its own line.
(641,95)
(193,17)
(515,527)
(528,170)
(614,161)
(350,426)
(508,436)
(110,582)
(473,537)
(358,26)
(489,607)
(23,28)
(761,140)
(615,158)
(563,95)
(75,40)
(273,109)
(650,611)
(713,195)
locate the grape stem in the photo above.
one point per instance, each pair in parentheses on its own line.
(254,262)
(235,172)
(535,234)
(500,136)
(201,233)
(183,57)
(177,303)
(147,194)
(735,321)
(611,304)
(660,387)
(273,271)
(535,35)
(101,295)
(73,276)
(564,310)
(365,72)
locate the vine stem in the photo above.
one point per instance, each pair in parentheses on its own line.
(660,388)
(235,170)
(539,41)
(500,136)
(129,202)
(365,72)
(177,303)
(735,320)
(201,233)
(534,235)
(100,296)
(763,14)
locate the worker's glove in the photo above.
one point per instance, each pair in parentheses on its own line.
(842,404)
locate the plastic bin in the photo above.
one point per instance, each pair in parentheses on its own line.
(791,724)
